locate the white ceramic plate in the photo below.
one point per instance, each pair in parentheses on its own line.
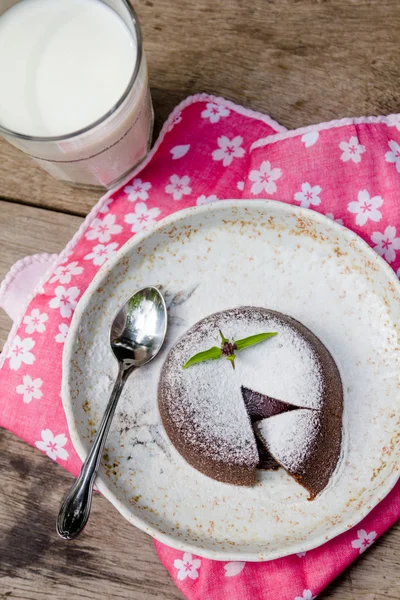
(212,258)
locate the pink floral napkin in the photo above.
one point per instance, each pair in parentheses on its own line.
(208,150)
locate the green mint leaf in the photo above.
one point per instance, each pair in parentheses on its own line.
(211,354)
(231,358)
(223,338)
(253,339)
(228,349)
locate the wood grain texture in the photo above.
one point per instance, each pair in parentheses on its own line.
(302,62)
(26,230)
(111,560)
(23,180)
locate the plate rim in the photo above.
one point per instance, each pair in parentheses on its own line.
(349,236)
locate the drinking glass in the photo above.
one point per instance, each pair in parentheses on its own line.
(106,151)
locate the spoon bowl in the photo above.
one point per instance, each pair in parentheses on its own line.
(137,334)
(138,330)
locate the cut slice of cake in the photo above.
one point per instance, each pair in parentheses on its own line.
(306,443)
(259,406)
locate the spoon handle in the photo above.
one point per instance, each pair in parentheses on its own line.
(75,508)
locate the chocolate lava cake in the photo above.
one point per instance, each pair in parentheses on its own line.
(280,407)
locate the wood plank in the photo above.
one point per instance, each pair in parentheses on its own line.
(300,62)
(24,180)
(113,559)
(27,230)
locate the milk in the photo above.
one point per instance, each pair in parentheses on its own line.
(64,64)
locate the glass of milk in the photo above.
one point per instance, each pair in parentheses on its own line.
(74,91)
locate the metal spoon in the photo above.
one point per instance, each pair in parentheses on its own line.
(136,336)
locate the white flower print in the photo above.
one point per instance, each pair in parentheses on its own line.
(386,243)
(178,186)
(175,121)
(214,112)
(53,445)
(240,185)
(301,554)
(308,195)
(187,567)
(103,229)
(20,352)
(307,595)
(234,568)
(62,336)
(64,273)
(393,121)
(228,149)
(310,138)
(364,540)
(35,321)
(366,208)
(398,273)
(351,150)
(101,253)
(138,190)
(30,389)
(394,155)
(331,216)
(179,151)
(206,199)
(65,300)
(142,217)
(264,179)
(106,206)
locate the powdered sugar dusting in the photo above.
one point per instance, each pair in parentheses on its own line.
(290,437)
(205,401)
(242,254)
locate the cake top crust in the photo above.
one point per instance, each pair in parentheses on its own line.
(205,404)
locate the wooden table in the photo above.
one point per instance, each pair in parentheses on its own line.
(299,61)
